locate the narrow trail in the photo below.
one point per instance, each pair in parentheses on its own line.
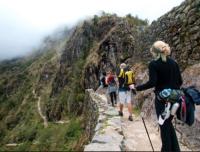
(39,109)
(135,136)
(106,36)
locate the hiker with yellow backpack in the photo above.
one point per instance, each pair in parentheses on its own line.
(125,79)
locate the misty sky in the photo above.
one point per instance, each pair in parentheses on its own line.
(23,23)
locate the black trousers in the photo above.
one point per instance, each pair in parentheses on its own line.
(167,131)
(113,97)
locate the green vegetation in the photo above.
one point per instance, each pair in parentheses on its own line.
(136,111)
(54,138)
(136,21)
(20,121)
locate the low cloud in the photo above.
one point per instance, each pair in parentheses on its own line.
(25,23)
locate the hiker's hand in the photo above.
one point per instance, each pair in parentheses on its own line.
(132,86)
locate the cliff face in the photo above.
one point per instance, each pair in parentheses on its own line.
(96,45)
(70,75)
(117,45)
(104,42)
(83,39)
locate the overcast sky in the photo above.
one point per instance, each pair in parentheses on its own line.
(23,23)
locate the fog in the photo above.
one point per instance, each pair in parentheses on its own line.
(17,39)
(24,23)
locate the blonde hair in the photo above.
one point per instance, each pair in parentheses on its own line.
(122,66)
(158,53)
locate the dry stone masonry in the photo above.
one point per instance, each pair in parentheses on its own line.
(107,135)
(90,113)
(180,28)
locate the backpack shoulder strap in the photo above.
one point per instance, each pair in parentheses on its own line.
(121,74)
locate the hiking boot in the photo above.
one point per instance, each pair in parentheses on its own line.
(130,118)
(120,113)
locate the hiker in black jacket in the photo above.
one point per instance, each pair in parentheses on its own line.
(163,73)
(103,86)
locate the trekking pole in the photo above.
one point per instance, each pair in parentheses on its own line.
(144,124)
(175,123)
(147,134)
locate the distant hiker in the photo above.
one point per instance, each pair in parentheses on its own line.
(163,73)
(112,87)
(103,80)
(124,92)
(103,84)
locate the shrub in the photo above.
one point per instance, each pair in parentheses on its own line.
(23,147)
(2,131)
(45,139)
(12,121)
(73,131)
(28,133)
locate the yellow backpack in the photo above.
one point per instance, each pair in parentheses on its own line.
(129,77)
(121,74)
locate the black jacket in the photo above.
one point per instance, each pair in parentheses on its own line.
(162,75)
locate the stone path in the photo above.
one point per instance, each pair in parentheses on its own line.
(115,133)
(136,138)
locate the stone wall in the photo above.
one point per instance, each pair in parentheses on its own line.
(180,28)
(90,114)
(105,129)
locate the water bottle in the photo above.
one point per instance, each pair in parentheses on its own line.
(174,108)
(165,93)
(165,114)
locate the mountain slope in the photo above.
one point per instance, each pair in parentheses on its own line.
(42,95)
(25,82)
